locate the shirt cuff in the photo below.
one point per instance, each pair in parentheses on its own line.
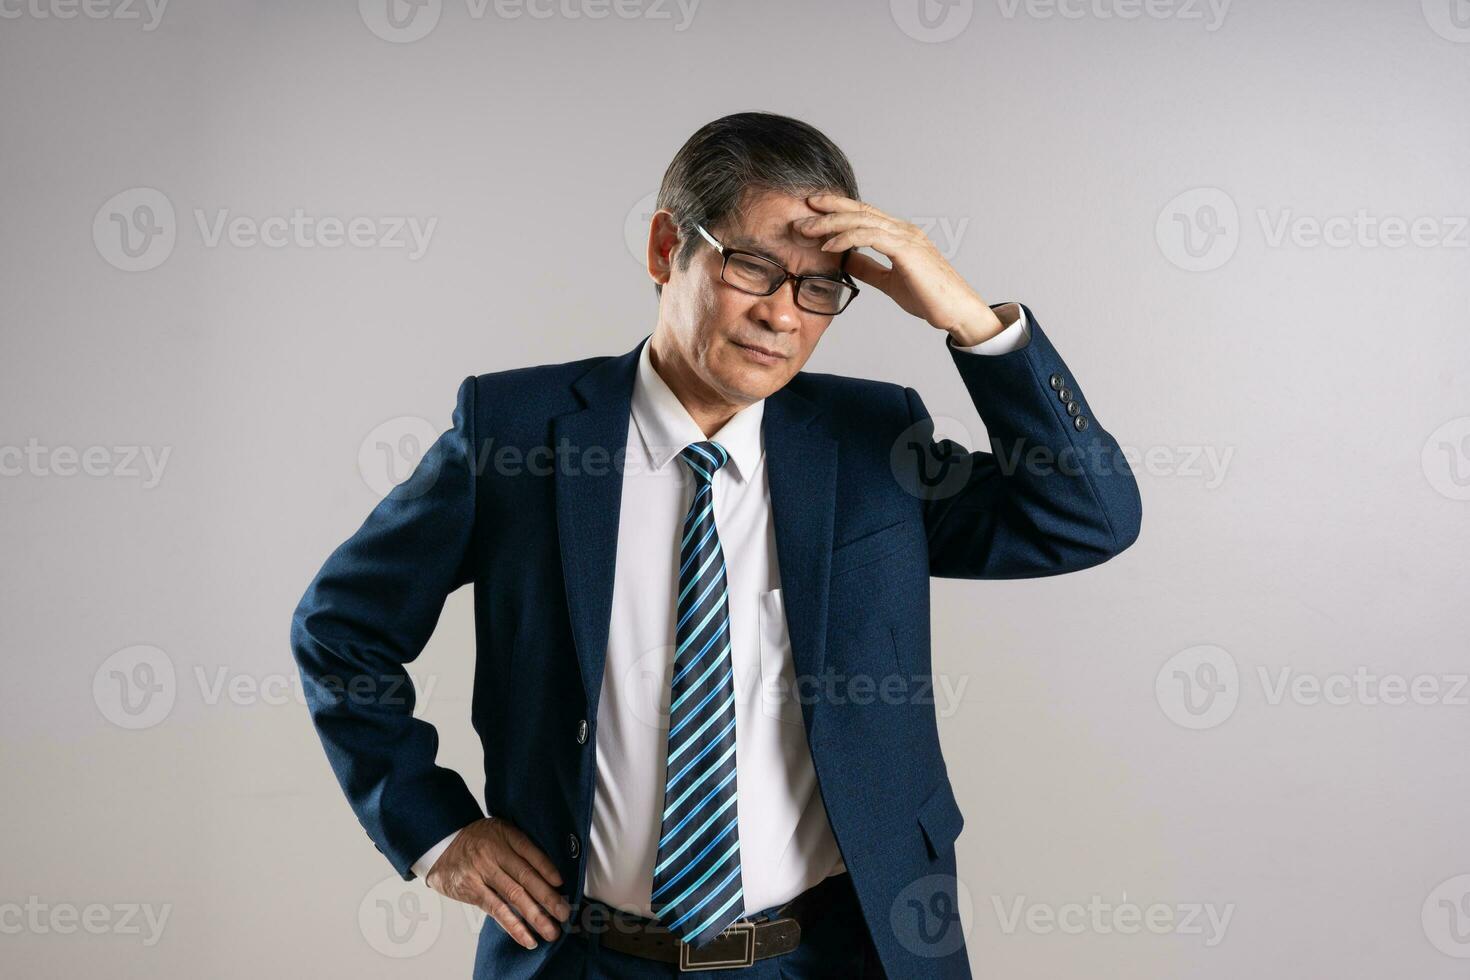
(1014,337)
(422,866)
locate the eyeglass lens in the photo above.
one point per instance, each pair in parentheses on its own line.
(756,275)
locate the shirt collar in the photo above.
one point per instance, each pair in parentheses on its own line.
(665,426)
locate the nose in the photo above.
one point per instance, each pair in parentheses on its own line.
(778,311)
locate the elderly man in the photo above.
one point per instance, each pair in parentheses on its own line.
(702,675)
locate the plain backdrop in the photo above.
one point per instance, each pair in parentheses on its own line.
(1242,227)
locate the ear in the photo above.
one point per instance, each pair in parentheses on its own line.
(663,244)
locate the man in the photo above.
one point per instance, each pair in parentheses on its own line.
(702,600)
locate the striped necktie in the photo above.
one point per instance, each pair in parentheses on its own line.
(697,890)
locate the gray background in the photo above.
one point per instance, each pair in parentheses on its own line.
(1072,146)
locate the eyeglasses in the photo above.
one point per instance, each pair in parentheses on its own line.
(759,276)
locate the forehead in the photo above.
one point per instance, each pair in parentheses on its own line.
(763,225)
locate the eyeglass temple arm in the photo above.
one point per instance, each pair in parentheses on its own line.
(711,239)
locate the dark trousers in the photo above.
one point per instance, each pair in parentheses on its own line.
(837,946)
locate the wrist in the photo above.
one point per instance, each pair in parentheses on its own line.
(977,331)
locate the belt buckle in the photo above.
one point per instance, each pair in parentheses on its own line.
(687,963)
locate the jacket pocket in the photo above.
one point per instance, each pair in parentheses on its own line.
(868,548)
(940,819)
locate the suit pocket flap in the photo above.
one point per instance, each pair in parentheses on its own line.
(869,547)
(941,819)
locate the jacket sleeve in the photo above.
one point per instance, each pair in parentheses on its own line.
(1054,495)
(370,610)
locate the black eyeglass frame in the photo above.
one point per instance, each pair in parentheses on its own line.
(792,277)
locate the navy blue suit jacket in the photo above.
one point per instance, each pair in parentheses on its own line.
(521,498)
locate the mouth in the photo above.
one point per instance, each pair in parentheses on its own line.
(760,355)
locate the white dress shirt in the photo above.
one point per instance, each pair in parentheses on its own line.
(786,843)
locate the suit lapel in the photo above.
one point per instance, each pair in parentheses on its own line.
(801,468)
(589,496)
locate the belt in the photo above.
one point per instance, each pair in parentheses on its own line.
(739,945)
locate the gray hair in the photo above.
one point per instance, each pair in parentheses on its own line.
(749,151)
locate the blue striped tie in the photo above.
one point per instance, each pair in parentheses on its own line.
(697,890)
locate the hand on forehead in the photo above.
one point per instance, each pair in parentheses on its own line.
(767,223)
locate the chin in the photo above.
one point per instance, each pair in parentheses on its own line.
(747,385)
(763,386)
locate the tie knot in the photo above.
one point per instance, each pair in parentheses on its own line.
(704,458)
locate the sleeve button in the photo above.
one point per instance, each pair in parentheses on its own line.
(1080,423)
(1056,382)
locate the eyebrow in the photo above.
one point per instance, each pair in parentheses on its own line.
(747,244)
